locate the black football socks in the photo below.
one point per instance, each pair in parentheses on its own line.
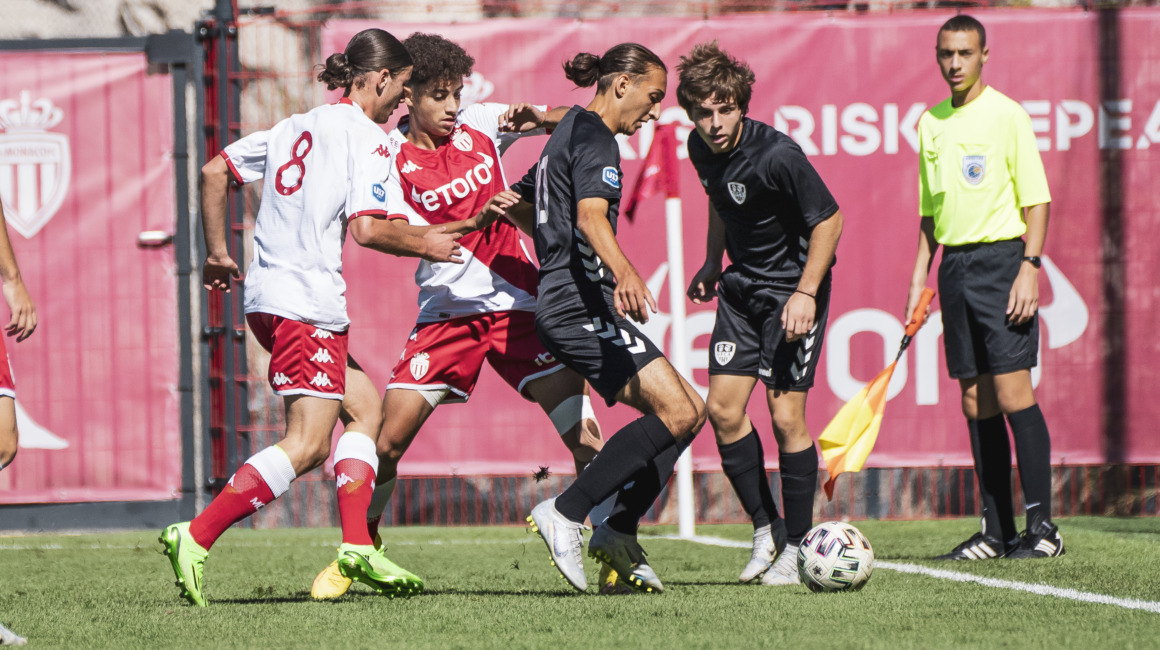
(799,484)
(642,490)
(627,452)
(992,451)
(744,464)
(1033,453)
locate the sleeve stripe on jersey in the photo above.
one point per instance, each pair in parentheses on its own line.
(366,213)
(233,170)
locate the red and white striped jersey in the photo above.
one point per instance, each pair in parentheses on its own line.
(452,183)
(322,168)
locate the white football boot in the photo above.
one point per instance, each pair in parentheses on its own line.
(564,539)
(768,541)
(784,570)
(623,553)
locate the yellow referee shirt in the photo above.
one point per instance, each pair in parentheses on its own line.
(978,167)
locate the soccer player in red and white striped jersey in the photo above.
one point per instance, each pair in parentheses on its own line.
(324,172)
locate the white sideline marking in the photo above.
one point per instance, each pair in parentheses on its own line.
(1040,589)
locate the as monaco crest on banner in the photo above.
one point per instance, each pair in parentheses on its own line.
(35,164)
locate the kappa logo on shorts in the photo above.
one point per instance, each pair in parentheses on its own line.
(380,192)
(322,356)
(737,192)
(419,365)
(462,140)
(724,351)
(321,334)
(973,168)
(321,380)
(611,176)
(280,379)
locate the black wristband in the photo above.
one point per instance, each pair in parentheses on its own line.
(1034,260)
(806,294)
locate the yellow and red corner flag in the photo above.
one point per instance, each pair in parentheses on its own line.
(850,436)
(660,172)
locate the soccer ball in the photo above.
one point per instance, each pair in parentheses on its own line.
(835,556)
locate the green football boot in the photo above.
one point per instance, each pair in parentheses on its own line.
(188,560)
(370,566)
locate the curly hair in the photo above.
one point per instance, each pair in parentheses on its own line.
(709,72)
(436,60)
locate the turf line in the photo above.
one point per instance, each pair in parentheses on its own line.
(1040,589)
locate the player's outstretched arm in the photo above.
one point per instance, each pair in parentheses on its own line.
(801,309)
(1023,301)
(215,185)
(396,237)
(703,288)
(23,321)
(631,297)
(927,247)
(523,117)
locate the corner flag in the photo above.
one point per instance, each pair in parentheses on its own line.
(660,172)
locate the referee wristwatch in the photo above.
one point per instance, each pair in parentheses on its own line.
(1034,261)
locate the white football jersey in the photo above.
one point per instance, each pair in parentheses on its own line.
(452,183)
(321,168)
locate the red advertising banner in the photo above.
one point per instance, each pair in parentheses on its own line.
(86,164)
(850,91)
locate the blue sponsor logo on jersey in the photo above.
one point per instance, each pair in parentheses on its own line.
(611,176)
(380,192)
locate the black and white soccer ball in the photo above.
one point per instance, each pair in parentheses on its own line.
(835,556)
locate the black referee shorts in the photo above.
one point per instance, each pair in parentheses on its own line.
(974,283)
(582,329)
(748,338)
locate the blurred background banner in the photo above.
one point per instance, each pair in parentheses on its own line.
(850,91)
(86,164)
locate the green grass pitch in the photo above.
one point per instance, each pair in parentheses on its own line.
(494,588)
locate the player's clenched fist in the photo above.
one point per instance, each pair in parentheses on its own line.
(703,288)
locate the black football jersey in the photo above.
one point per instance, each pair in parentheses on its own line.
(768,195)
(581,160)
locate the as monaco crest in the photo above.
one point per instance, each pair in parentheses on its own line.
(419,365)
(35,164)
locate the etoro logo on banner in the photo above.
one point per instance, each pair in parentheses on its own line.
(35,164)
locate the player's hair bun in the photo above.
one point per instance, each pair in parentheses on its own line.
(338,72)
(583,70)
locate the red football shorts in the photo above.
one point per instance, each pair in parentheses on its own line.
(449,354)
(304,359)
(7,386)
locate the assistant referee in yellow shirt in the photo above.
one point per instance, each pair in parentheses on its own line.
(984,198)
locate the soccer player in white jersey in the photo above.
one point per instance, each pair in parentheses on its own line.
(324,172)
(446,165)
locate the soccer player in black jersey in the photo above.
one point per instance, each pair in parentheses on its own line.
(588,292)
(772,213)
